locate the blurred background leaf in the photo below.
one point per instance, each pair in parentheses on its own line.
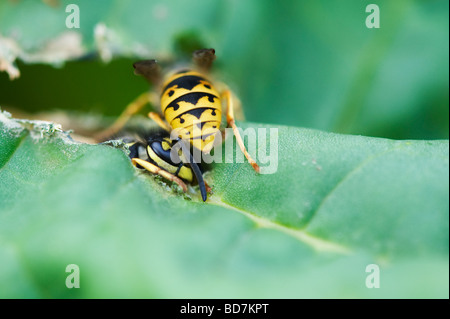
(301,63)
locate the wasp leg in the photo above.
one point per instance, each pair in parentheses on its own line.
(238,112)
(204,58)
(131,109)
(149,69)
(159,171)
(158,120)
(231,122)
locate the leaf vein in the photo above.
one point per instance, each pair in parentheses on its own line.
(347,176)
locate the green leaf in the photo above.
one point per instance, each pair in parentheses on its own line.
(336,204)
(350,190)
(316,59)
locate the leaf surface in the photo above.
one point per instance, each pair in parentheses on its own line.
(336,204)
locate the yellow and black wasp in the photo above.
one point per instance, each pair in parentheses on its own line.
(153,151)
(191,111)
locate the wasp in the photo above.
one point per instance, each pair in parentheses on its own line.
(191,111)
(153,151)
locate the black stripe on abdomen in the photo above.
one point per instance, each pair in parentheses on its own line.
(187,82)
(192,98)
(196,112)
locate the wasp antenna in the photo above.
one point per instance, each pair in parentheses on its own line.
(199,176)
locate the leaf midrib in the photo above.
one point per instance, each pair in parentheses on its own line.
(318,244)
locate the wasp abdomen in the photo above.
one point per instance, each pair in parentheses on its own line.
(192,106)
